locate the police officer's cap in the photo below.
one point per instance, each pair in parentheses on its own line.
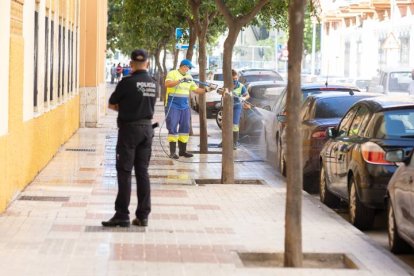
(139,55)
(186,62)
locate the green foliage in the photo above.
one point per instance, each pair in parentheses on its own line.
(308,33)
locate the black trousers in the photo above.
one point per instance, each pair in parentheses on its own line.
(133,149)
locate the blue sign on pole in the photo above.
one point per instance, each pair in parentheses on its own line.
(179,46)
(178,33)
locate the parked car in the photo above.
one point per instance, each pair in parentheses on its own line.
(212,97)
(318,112)
(274,128)
(393,81)
(353,164)
(400,200)
(247,76)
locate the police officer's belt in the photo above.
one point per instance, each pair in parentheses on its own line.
(138,122)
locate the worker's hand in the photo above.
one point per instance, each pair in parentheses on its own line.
(186,80)
(211,87)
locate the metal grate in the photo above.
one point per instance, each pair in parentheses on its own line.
(132,229)
(236,181)
(310,260)
(45,198)
(78,149)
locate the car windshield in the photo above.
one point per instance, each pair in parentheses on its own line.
(334,107)
(399,81)
(218,77)
(307,92)
(262,77)
(398,123)
(269,93)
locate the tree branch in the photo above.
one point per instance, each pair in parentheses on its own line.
(245,19)
(225,11)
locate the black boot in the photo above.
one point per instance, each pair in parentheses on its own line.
(235,139)
(173,146)
(183,150)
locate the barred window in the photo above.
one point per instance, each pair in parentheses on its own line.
(46,57)
(36,55)
(52,49)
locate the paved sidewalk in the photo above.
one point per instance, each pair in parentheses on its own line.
(54,226)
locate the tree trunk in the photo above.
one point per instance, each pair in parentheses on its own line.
(192,41)
(202,62)
(293,214)
(227,168)
(175,62)
(159,74)
(227,171)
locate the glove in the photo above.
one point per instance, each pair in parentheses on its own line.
(220,90)
(185,80)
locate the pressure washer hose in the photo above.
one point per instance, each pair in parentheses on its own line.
(194,162)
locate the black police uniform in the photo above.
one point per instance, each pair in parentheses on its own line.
(135,96)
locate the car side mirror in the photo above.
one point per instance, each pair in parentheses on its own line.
(397,156)
(331,132)
(281,118)
(266,107)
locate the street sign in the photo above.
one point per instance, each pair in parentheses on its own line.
(179,46)
(178,33)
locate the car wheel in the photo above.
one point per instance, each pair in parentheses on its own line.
(219,118)
(282,162)
(396,243)
(326,197)
(360,216)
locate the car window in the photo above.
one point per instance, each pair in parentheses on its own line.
(399,123)
(218,77)
(306,109)
(264,93)
(399,81)
(280,103)
(334,107)
(360,121)
(346,122)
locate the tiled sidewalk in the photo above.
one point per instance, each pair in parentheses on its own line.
(54,226)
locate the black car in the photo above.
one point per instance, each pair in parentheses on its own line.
(400,201)
(353,164)
(318,112)
(274,128)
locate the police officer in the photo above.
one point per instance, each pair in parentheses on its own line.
(134,99)
(179,84)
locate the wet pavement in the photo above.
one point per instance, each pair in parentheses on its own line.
(54,226)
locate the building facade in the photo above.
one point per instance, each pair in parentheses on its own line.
(360,37)
(51,82)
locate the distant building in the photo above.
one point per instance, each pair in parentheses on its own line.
(52,73)
(361,36)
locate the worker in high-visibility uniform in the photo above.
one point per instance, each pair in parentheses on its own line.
(240,94)
(179,84)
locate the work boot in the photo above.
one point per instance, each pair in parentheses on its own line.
(173,146)
(235,139)
(183,150)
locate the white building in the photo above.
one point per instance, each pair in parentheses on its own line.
(361,36)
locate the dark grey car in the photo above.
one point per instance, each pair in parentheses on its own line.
(400,201)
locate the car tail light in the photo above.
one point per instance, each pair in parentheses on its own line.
(319,134)
(374,154)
